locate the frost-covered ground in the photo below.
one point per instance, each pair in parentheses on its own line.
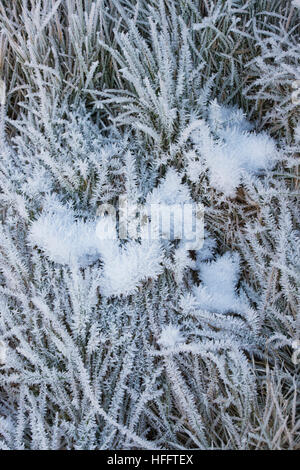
(129,341)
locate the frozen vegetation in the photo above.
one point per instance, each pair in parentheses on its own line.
(160,342)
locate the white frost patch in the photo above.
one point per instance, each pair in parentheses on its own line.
(297,131)
(130,265)
(64,239)
(251,152)
(234,149)
(170,190)
(173,211)
(170,337)
(2,353)
(217,291)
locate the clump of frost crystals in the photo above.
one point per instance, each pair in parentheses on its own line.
(175,208)
(217,291)
(126,267)
(231,149)
(296,3)
(170,337)
(63,238)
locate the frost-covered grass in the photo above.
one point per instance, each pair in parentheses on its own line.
(122,344)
